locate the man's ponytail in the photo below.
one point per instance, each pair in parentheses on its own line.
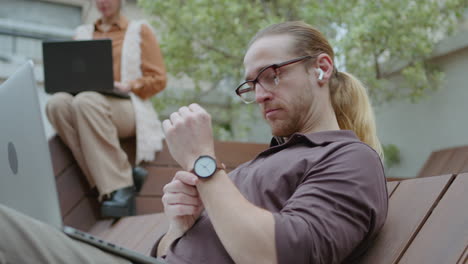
(353,109)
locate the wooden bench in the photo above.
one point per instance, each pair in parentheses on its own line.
(78,203)
(427,220)
(444,161)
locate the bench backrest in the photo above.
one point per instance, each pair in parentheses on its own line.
(78,203)
(446,161)
(427,222)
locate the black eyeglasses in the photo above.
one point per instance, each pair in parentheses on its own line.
(268,78)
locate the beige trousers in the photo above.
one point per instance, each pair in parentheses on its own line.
(91,125)
(26,240)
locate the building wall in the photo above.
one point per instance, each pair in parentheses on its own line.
(438,121)
(23,26)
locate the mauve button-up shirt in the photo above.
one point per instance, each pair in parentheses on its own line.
(326,190)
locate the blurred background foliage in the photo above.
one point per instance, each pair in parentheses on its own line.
(206,40)
(392,155)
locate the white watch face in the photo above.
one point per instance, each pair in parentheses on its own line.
(205,166)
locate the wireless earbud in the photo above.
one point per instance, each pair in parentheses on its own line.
(320,72)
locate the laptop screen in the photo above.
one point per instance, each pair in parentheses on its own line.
(77,66)
(27,181)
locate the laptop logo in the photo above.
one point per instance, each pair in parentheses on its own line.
(78,65)
(12,158)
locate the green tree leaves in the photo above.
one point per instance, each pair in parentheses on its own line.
(206,39)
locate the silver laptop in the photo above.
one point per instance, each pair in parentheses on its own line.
(27,181)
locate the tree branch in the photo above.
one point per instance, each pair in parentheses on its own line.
(377,67)
(265,7)
(213,48)
(207,45)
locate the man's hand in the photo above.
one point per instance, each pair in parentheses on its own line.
(122,87)
(182,204)
(189,135)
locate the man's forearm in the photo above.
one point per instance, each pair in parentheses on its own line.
(246,231)
(165,243)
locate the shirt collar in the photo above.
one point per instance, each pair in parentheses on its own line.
(317,138)
(121,24)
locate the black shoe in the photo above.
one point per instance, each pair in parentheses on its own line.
(139,176)
(121,203)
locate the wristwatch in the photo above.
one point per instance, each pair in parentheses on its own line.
(205,166)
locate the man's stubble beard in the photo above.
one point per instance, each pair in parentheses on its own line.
(284,128)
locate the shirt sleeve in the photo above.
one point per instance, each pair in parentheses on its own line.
(152,66)
(337,205)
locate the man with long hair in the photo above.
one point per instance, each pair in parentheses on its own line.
(317,195)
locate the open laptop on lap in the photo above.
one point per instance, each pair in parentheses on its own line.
(27,181)
(79,65)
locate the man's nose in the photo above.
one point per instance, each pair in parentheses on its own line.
(262,94)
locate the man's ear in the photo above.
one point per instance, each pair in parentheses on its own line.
(324,64)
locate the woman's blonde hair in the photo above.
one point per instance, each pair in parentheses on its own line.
(348,95)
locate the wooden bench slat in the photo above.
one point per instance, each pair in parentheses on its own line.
(71,188)
(128,231)
(464,167)
(157,178)
(436,163)
(456,162)
(427,167)
(446,161)
(158,228)
(148,205)
(409,207)
(444,235)
(101,227)
(84,215)
(61,156)
(464,258)
(164,158)
(391,187)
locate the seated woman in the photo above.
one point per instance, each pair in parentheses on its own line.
(91,123)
